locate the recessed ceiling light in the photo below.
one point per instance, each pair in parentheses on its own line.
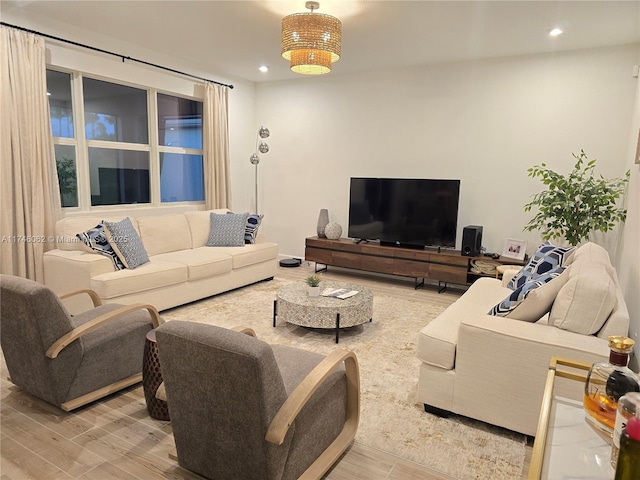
(264,69)
(554,32)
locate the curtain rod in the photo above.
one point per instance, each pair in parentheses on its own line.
(123,57)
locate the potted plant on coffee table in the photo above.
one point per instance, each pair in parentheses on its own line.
(577,204)
(313,285)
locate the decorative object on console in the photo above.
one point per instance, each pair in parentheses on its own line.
(333,231)
(607,382)
(575,205)
(484,267)
(126,242)
(262,147)
(311,41)
(514,249)
(323,221)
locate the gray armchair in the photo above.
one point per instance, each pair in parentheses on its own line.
(70,361)
(243,409)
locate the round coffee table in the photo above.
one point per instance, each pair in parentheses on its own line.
(294,305)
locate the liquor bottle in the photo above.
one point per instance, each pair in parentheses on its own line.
(628,405)
(607,382)
(629,458)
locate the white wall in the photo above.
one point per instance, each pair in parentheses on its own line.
(482,122)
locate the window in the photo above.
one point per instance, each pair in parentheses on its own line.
(119,156)
(117,133)
(180,139)
(62,129)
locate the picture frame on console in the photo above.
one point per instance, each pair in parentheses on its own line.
(515,249)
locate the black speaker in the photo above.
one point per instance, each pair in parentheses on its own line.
(472,241)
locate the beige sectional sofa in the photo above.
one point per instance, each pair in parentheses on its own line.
(181,267)
(493,368)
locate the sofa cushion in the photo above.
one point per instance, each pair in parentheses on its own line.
(164,233)
(533,299)
(251,229)
(585,302)
(588,255)
(202,262)
(126,242)
(545,258)
(250,254)
(227,230)
(149,276)
(67,229)
(200,225)
(437,341)
(96,241)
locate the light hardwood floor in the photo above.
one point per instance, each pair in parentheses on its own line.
(116,439)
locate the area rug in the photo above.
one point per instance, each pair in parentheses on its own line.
(390,418)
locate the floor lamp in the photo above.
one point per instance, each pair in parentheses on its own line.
(262,147)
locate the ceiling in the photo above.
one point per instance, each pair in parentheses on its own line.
(233,38)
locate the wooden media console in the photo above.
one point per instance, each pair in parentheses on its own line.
(445,266)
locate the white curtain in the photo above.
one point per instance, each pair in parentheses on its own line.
(30,203)
(215,124)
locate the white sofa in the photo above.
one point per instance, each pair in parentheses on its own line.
(493,368)
(181,267)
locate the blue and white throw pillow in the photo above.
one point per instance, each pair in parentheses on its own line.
(541,291)
(227,230)
(251,229)
(96,240)
(126,242)
(545,259)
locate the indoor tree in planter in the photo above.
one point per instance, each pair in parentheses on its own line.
(576,204)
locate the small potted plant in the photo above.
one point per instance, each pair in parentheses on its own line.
(313,285)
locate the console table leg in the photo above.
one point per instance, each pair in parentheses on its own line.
(324,269)
(337,327)
(442,286)
(275,311)
(417,284)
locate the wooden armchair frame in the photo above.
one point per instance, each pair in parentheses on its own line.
(301,395)
(54,350)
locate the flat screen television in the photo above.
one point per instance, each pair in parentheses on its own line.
(404,212)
